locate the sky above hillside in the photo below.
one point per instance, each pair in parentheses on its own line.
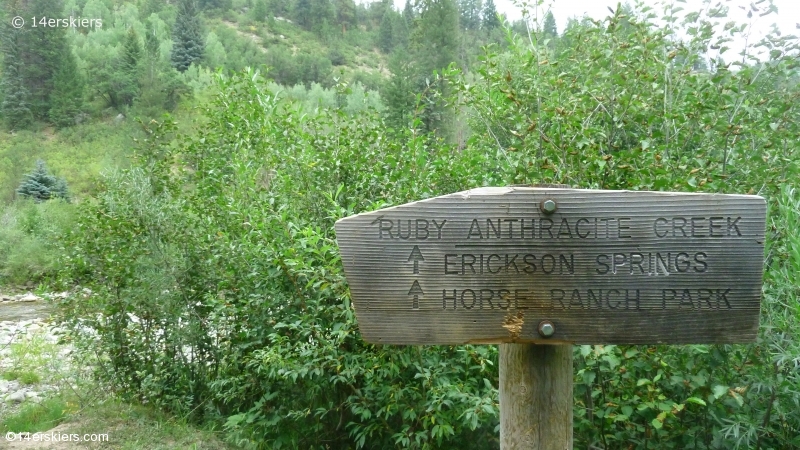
(787,19)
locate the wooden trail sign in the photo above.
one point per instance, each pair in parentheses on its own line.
(548,265)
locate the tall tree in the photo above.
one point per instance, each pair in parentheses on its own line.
(129,66)
(400,31)
(131,51)
(15,104)
(470,14)
(322,14)
(66,100)
(260,11)
(42,51)
(187,36)
(408,14)
(149,7)
(385,32)
(159,84)
(549,28)
(302,13)
(399,91)
(489,16)
(436,38)
(345,13)
(434,46)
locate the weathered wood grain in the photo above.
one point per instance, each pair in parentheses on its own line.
(624,267)
(535,397)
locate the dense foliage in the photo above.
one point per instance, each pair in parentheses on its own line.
(219,291)
(217,288)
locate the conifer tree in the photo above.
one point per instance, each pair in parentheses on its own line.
(385,37)
(408,14)
(549,28)
(40,185)
(131,52)
(129,67)
(490,21)
(159,84)
(66,100)
(436,38)
(399,91)
(15,104)
(302,13)
(260,11)
(345,13)
(470,14)
(434,47)
(32,56)
(399,31)
(43,50)
(187,36)
(149,7)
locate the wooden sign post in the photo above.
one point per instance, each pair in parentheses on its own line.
(555,266)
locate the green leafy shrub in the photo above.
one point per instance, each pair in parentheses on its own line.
(218,291)
(30,249)
(626,104)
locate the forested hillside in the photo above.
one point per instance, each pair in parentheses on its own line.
(139,59)
(217,289)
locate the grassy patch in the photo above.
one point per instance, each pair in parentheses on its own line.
(135,427)
(35,417)
(82,406)
(23,376)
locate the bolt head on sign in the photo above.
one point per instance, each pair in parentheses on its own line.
(489,265)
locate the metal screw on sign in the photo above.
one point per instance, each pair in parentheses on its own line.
(546,328)
(548,206)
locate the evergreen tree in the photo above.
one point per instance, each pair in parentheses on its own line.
(42,54)
(399,91)
(490,21)
(129,67)
(159,84)
(131,52)
(302,13)
(345,13)
(260,11)
(187,36)
(40,185)
(321,14)
(221,5)
(385,33)
(399,31)
(15,106)
(278,8)
(550,30)
(377,10)
(408,14)
(436,38)
(66,100)
(470,14)
(150,7)
(435,46)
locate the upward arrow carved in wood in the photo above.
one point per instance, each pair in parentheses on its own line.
(415,256)
(416,291)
